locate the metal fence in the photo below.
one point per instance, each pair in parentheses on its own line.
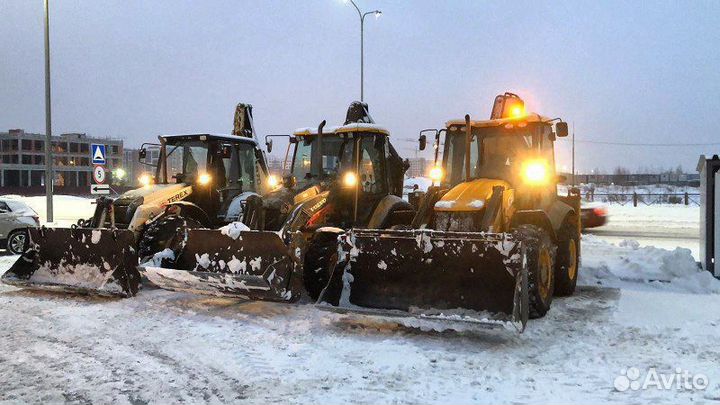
(643,198)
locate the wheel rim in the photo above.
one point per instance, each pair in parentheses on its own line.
(17,243)
(572,266)
(544,275)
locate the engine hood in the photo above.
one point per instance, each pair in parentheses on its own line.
(470,195)
(158,193)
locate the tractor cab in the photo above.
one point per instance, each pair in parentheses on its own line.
(351,167)
(514,149)
(360,173)
(214,169)
(519,152)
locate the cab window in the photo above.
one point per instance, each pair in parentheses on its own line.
(371,169)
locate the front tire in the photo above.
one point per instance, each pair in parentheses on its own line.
(541,275)
(16,242)
(320,260)
(568,258)
(167,232)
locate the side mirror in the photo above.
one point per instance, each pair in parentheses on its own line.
(422,142)
(268,145)
(142,154)
(561,129)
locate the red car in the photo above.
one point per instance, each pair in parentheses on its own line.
(592,217)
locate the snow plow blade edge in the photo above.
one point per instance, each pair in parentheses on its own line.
(78,260)
(445,276)
(255,265)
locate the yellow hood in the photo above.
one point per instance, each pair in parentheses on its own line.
(469,196)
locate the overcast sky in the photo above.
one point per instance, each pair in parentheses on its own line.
(621,71)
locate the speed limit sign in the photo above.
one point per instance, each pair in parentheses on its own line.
(99,174)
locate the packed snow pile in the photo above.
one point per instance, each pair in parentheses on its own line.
(628,265)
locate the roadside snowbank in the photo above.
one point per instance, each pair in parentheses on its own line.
(654,219)
(67,208)
(628,265)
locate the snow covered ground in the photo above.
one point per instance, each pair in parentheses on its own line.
(67,209)
(638,306)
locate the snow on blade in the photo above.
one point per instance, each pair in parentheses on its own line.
(83,276)
(234,229)
(477,204)
(203,260)
(445,204)
(96,235)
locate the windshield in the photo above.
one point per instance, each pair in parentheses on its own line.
(188,159)
(495,152)
(302,161)
(338,155)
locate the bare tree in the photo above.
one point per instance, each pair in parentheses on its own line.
(621,170)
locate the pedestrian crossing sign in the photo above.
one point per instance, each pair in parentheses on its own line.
(98,154)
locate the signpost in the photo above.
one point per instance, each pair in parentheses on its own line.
(100,189)
(97,154)
(99,174)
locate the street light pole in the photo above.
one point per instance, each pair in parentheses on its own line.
(573,153)
(362,16)
(48,120)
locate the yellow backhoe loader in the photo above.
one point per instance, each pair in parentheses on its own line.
(492,242)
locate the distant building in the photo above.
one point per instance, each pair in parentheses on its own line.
(418,167)
(275,165)
(22,155)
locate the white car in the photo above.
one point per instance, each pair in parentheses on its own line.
(15,218)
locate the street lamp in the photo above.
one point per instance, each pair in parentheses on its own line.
(48,121)
(362,16)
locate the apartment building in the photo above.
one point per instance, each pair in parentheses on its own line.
(22,158)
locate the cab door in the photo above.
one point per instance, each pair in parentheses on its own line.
(373,182)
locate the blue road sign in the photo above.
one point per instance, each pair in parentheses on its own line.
(97,153)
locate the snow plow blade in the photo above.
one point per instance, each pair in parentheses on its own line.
(252,265)
(78,260)
(451,277)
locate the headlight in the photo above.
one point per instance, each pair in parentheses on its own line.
(436,173)
(145,180)
(535,172)
(350,179)
(204,179)
(120,173)
(273,181)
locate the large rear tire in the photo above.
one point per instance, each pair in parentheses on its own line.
(320,260)
(568,258)
(541,275)
(167,232)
